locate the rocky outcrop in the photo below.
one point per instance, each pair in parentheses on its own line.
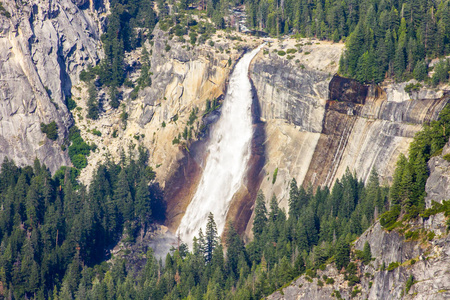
(43,47)
(438,184)
(426,259)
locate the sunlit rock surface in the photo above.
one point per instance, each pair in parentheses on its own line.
(318,125)
(427,260)
(43,47)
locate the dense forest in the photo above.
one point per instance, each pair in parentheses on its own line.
(56,234)
(317,231)
(53,227)
(383,38)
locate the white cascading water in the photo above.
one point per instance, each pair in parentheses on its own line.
(228,155)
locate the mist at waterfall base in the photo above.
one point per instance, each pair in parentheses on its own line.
(228,154)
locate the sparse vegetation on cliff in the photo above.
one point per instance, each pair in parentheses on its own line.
(51,130)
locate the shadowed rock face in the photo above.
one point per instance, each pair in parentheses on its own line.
(347,90)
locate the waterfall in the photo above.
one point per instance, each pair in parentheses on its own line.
(228,153)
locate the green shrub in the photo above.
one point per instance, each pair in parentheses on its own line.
(412,87)
(70,103)
(192,38)
(413,235)
(180,30)
(311,273)
(281,53)
(433,210)
(291,51)
(446,157)
(336,294)
(87,75)
(388,219)
(96,132)
(134,93)
(392,266)
(78,148)
(274,177)
(352,280)
(409,283)
(329,280)
(124,115)
(355,292)
(79,161)
(51,130)
(320,283)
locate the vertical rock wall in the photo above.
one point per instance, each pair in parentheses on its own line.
(318,126)
(43,47)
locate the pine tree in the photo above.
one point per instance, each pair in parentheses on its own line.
(274,209)
(342,255)
(407,185)
(367,253)
(373,197)
(142,201)
(92,103)
(294,200)
(235,247)
(260,220)
(399,62)
(420,72)
(395,192)
(211,238)
(122,196)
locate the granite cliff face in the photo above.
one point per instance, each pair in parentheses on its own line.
(426,258)
(317,125)
(43,47)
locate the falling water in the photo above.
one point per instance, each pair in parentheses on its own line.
(228,155)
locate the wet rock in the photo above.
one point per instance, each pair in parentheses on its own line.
(347,90)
